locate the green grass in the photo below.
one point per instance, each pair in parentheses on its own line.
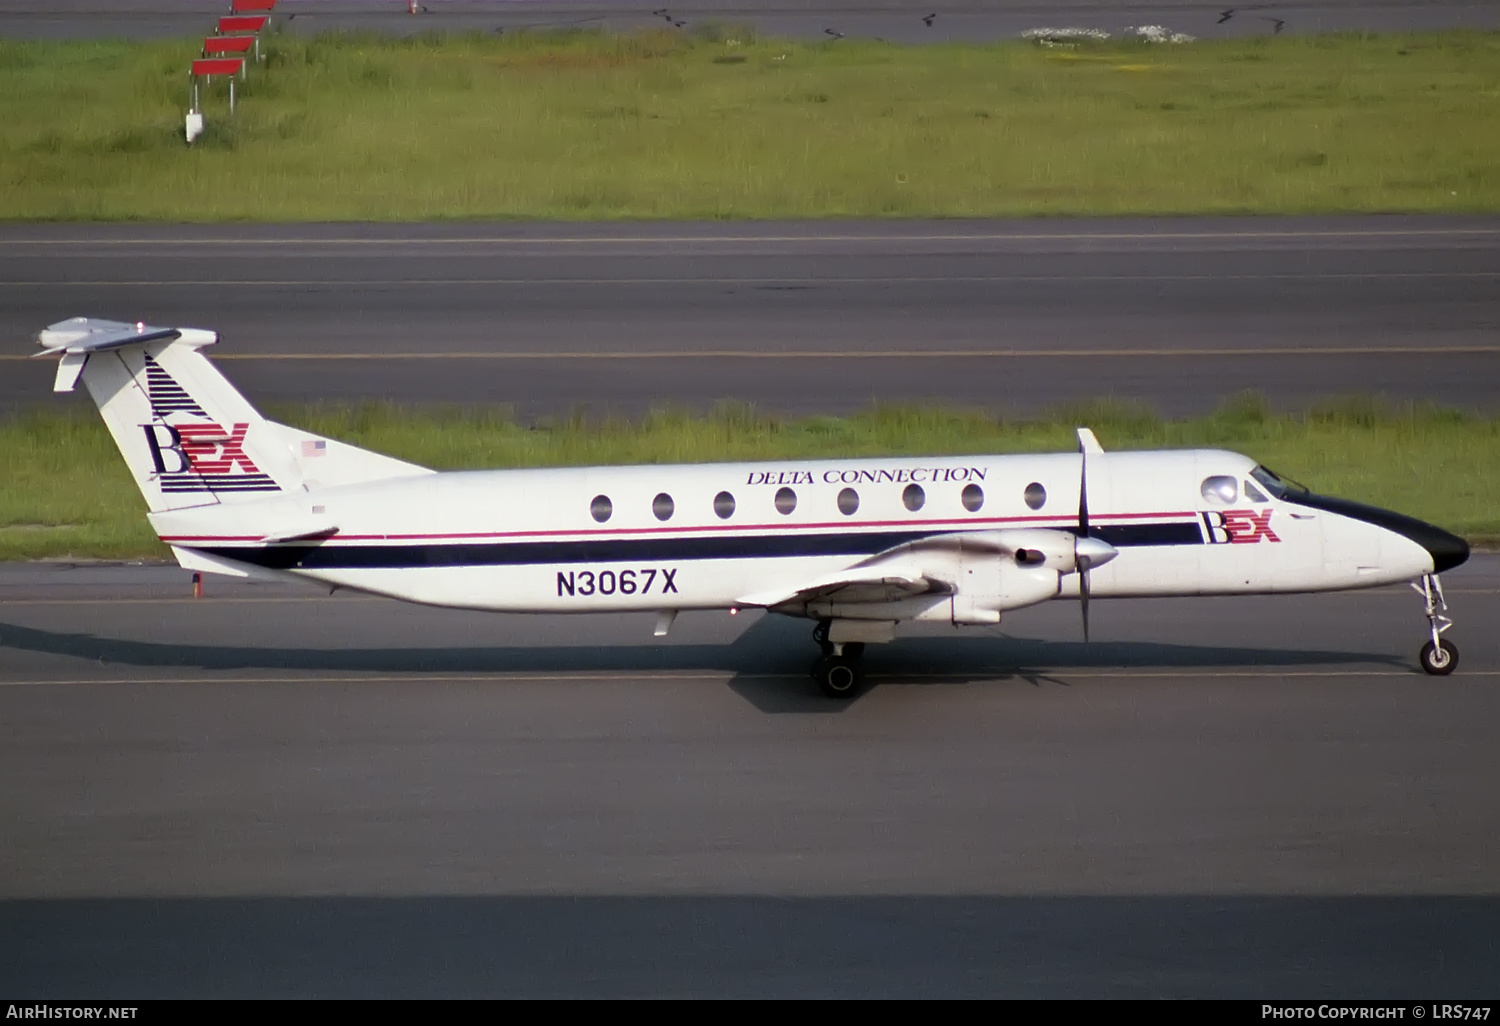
(64,490)
(720,125)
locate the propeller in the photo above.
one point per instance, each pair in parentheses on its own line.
(1082,558)
(1087,552)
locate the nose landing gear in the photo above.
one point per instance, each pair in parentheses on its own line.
(1439,656)
(837,671)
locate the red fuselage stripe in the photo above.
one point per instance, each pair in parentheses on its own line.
(972,522)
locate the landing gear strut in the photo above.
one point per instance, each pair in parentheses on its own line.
(1439,656)
(837,672)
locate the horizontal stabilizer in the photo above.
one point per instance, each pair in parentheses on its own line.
(81,335)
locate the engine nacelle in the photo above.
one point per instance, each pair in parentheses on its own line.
(1022,586)
(1012,569)
(1062,551)
(980,574)
(1038,548)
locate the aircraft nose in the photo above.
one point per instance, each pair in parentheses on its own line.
(1447,550)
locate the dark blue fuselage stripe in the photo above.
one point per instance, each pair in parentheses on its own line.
(622,550)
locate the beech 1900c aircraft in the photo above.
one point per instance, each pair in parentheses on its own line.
(856,545)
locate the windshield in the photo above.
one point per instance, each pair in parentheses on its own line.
(1277,485)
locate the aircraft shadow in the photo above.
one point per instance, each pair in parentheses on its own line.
(769,662)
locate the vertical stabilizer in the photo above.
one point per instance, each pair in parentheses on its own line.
(189,438)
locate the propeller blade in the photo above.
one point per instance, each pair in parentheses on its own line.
(1083,495)
(1083,598)
(1082,560)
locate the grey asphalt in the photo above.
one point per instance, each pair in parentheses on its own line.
(798,318)
(270,791)
(894,20)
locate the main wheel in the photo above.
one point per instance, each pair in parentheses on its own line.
(854,649)
(1439,661)
(837,677)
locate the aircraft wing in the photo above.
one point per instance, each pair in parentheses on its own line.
(884,582)
(928,566)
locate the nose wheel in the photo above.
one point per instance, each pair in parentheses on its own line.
(1439,656)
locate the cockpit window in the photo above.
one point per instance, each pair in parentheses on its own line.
(1277,485)
(1221,489)
(1254,494)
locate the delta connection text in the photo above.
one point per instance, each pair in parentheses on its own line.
(1439,1011)
(919,475)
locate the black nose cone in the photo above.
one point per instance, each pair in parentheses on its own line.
(1448,550)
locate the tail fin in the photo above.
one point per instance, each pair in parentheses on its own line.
(188,437)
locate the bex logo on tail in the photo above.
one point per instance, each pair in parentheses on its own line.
(199,456)
(204,458)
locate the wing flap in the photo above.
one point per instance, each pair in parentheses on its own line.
(878,583)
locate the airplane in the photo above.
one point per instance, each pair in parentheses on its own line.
(856,545)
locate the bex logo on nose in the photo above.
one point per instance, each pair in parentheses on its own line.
(1238,526)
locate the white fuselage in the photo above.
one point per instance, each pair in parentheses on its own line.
(530,540)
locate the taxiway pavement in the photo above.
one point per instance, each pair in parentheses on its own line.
(271,791)
(798,318)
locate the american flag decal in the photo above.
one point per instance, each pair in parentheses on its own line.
(311,449)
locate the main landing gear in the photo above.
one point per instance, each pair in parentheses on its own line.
(837,671)
(1439,656)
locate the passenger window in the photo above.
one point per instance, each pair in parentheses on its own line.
(914,497)
(1220,489)
(724,505)
(1035,495)
(848,502)
(662,506)
(1253,493)
(601,508)
(786,501)
(972,497)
